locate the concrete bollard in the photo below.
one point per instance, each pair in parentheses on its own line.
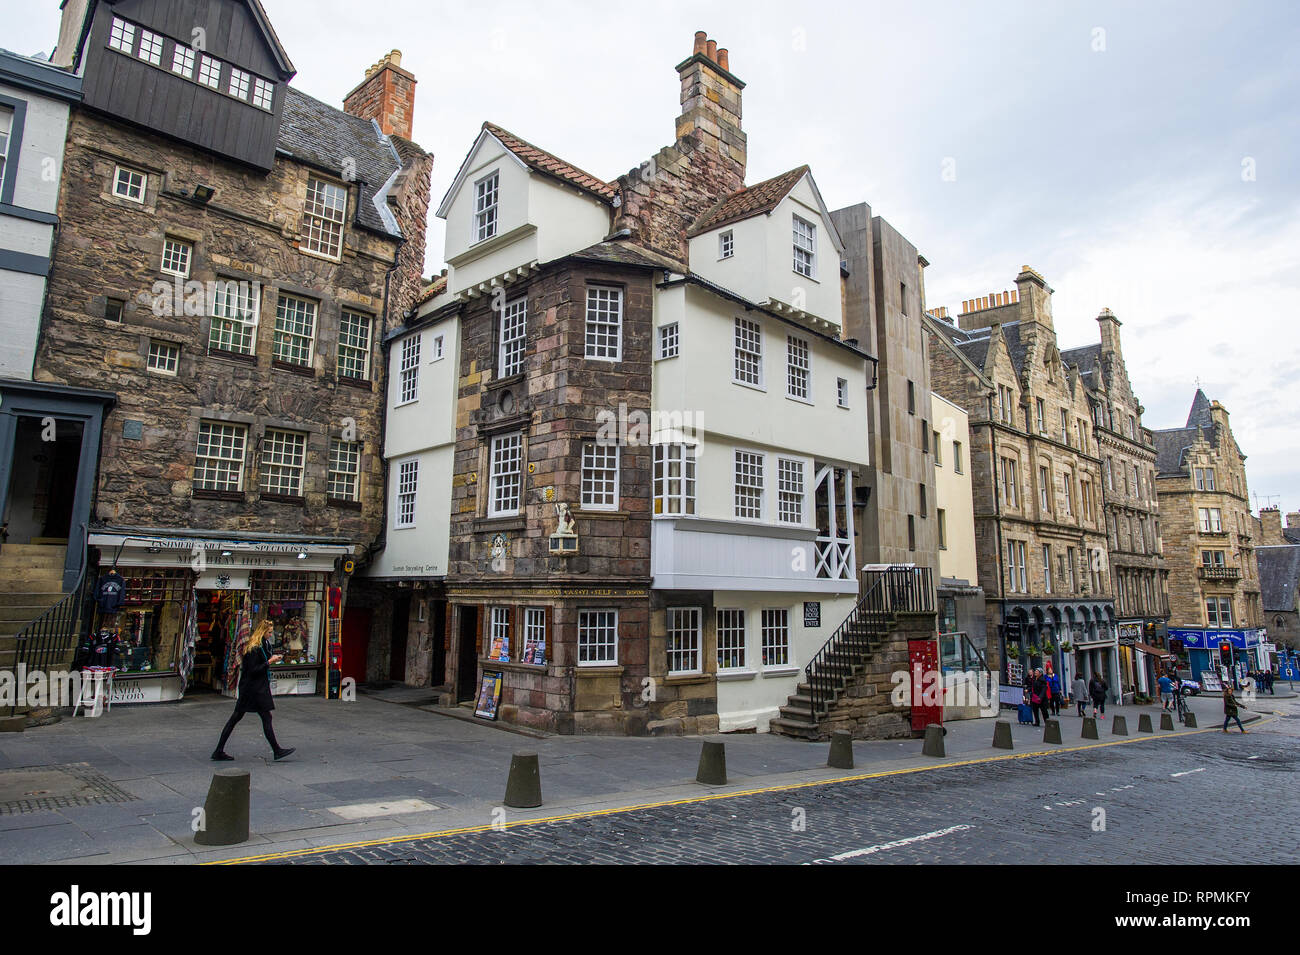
(225,811)
(1189,720)
(713,765)
(1090,727)
(1119,726)
(841,750)
(1051,731)
(1166,721)
(524,785)
(1144,723)
(933,745)
(1002,735)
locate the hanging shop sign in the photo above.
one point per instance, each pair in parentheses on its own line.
(1129,631)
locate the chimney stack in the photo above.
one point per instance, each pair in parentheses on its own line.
(386,95)
(711,103)
(1293,519)
(1270,525)
(1109,333)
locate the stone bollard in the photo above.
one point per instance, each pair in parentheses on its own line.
(1002,735)
(1119,726)
(1189,720)
(841,750)
(225,811)
(933,745)
(13,724)
(524,785)
(1090,727)
(1166,721)
(1051,731)
(1144,723)
(713,765)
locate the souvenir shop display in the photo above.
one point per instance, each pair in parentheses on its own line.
(489,695)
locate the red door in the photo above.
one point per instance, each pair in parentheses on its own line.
(356,642)
(927,683)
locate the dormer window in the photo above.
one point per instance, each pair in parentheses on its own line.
(238,84)
(151,47)
(805,248)
(485,207)
(726,245)
(323,217)
(122,36)
(209,71)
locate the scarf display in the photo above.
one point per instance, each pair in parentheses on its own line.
(189,639)
(242,628)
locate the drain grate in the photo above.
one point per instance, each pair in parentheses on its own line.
(43,788)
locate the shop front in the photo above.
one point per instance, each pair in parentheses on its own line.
(1219,654)
(187,601)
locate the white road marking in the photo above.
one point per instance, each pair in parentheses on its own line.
(390,807)
(1252,757)
(897,843)
(1188,773)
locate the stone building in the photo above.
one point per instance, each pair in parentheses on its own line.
(231,254)
(1128,458)
(1278,556)
(1209,544)
(1039,516)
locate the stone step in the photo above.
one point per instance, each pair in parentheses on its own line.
(36,549)
(35,561)
(31,598)
(31,582)
(25,612)
(799,729)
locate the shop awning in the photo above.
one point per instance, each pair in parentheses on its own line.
(1153,651)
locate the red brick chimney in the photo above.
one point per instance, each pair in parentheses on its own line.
(386,95)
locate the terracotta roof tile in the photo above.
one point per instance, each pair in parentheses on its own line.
(550,164)
(751,201)
(436,287)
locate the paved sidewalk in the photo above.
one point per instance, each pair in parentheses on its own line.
(357,764)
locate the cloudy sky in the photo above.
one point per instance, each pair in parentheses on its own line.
(1144,157)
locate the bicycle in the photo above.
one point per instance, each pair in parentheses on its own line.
(1180,704)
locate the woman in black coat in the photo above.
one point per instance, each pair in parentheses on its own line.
(254,692)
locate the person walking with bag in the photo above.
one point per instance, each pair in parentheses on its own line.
(1230,709)
(1079,690)
(254,692)
(1038,696)
(1097,688)
(1054,692)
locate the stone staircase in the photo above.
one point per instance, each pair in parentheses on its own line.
(31,582)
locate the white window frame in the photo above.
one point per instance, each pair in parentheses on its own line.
(730,623)
(263,94)
(408,490)
(684,633)
(804,243)
(438,349)
(408,375)
(180,253)
(726,245)
(608,621)
(164,357)
(6,135)
(355,333)
(129,182)
(534,632)
(235,316)
(209,72)
(674,494)
(600,326)
(239,83)
(296,321)
(669,340)
(753,464)
(512,332)
(957,466)
(748,355)
(324,216)
(506,484)
(798,369)
(280,447)
(183,61)
(791,491)
(487,207)
(775,621)
(498,624)
(344,470)
(121,36)
(600,481)
(150,49)
(230,435)
(842,392)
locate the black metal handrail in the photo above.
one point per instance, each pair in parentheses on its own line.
(52,635)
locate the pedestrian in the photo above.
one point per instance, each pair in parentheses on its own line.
(1268,681)
(1097,688)
(1230,709)
(1166,691)
(254,692)
(1079,690)
(1054,692)
(1038,696)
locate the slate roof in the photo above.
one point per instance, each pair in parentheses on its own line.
(618,252)
(548,163)
(320,135)
(1087,358)
(1292,534)
(1170,445)
(1279,576)
(760,198)
(1200,413)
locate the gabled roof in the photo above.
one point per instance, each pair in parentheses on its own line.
(531,157)
(320,135)
(1279,576)
(263,22)
(751,201)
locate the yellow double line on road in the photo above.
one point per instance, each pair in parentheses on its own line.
(708,797)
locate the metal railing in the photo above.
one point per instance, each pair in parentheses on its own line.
(52,636)
(963,655)
(886,592)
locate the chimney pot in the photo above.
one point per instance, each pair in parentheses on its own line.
(701,39)
(711,50)
(722,60)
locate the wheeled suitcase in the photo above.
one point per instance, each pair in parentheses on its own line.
(1026,713)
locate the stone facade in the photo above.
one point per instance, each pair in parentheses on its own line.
(1201,468)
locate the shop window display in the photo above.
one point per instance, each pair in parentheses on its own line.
(293,605)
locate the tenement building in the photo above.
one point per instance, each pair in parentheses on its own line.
(1278,557)
(230,255)
(1214,590)
(1040,530)
(636,403)
(1128,490)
